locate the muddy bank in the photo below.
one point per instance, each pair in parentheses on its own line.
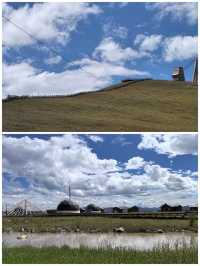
(96,225)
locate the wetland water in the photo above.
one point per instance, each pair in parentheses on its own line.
(138,241)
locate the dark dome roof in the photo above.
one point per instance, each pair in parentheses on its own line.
(92,207)
(67,205)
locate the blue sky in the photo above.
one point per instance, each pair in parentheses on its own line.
(96,44)
(123,170)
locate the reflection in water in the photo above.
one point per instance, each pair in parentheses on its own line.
(75,240)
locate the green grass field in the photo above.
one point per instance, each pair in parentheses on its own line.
(151,105)
(100,224)
(54,255)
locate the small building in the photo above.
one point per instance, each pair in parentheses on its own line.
(194,209)
(117,210)
(51,211)
(133,209)
(176,208)
(178,74)
(91,208)
(167,208)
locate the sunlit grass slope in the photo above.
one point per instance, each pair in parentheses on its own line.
(149,105)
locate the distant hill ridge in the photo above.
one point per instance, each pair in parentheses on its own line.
(122,84)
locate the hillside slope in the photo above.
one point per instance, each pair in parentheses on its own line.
(149,105)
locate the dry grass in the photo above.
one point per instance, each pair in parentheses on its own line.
(144,106)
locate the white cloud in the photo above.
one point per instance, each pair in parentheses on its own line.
(89,75)
(95,138)
(110,51)
(105,70)
(123,4)
(135,163)
(52,163)
(167,180)
(180,48)
(170,144)
(45,21)
(172,48)
(148,43)
(46,166)
(53,60)
(139,38)
(111,29)
(116,4)
(187,12)
(32,81)
(121,140)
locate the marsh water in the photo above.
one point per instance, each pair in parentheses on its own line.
(138,241)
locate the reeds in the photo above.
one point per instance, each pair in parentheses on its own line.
(65,255)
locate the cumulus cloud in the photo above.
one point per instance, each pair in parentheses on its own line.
(170,46)
(110,51)
(180,48)
(45,21)
(53,163)
(148,43)
(95,138)
(88,74)
(53,60)
(135,163)
(176,11)
(171,144)
(43,169)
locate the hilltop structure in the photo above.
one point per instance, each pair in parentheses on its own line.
(178,74)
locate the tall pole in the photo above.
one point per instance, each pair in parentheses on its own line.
(195,71)
(69,192)
(25,206)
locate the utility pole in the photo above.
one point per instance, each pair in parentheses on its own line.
(195,71)
(25,207)
(69,192)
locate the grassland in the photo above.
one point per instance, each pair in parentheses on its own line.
(95,224)
(54,255)
(144,106)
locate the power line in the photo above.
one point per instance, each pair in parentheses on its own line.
(40,42)
(30,35)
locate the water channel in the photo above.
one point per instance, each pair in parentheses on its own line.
(138,241)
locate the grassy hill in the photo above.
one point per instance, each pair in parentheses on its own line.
(149,105)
